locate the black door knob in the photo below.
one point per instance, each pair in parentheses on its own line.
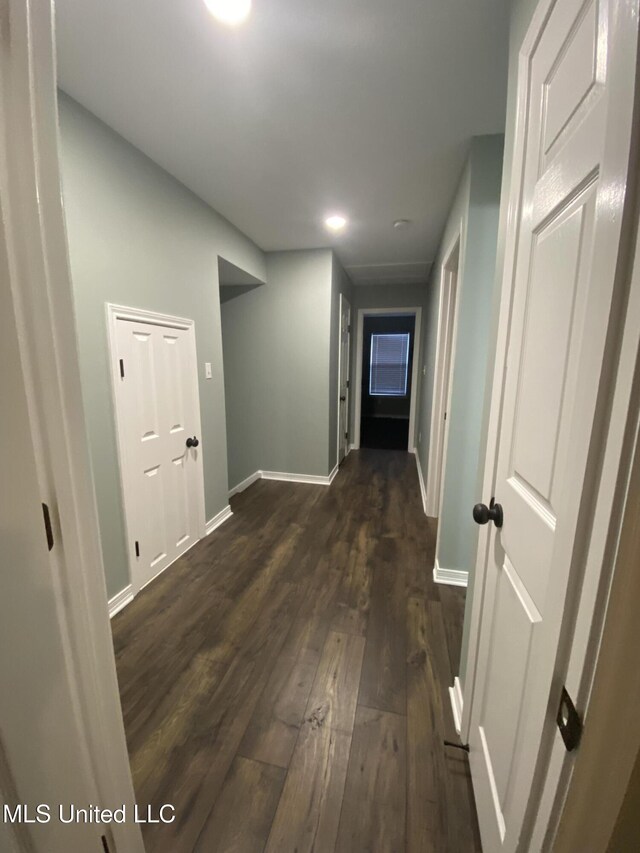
(192,442)
(343,399)
(483,513)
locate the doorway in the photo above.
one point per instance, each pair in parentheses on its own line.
(445,357)
(156,400)
(344,364)
(387,348)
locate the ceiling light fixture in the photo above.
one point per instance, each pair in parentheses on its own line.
(401,223)
(335,222)
(231,12)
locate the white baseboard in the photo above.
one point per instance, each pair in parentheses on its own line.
(249,481)
(120,600)
(423,490)
(217,520)
(353,447)
(455,694)
(453,577)
(314,479)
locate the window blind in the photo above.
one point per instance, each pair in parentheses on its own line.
(389,365)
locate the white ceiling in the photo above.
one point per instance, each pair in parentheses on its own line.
(365,107)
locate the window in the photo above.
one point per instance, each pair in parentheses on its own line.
(389,365)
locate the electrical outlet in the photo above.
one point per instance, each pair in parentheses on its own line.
(207,370)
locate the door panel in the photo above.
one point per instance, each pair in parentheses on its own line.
(181,525)
(154,544)
(549,397)
(515,616)
(157,410)
(572,76)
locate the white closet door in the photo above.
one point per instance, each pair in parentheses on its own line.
(157,412)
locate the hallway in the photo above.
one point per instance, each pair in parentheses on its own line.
(284,685)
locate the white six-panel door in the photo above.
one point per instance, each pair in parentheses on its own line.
(568,223)
(157,410)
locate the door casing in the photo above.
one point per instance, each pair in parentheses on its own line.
(445,361)
(397,312)
(344,388)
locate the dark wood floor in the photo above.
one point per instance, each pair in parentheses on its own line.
(284,685)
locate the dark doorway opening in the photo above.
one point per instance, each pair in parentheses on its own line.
(387,360)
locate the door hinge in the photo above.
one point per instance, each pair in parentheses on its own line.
(349,328)
(137,548)
(445,416)
(348,383)
(122,368)
(47,526)
(569,721)
(346,435)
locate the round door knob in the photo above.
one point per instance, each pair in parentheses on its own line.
(483,513)
(192,442)
(343,399)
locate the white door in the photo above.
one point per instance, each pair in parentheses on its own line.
(43,756)
(343,382)
(569,186)
(158,416)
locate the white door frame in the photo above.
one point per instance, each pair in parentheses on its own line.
(445,360)
(34,238)
(587,598)
(343,301)
(141,315)
(393,312)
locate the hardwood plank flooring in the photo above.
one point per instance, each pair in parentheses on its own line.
(222,830)
(284,684)
(374,805)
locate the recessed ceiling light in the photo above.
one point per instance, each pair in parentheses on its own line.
(230,12)
(335,222)
(401,223)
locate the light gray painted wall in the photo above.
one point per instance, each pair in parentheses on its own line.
(138,238)
(340,284)
(455,226)
(383,296)
(458,532)
(474,214)
(277,355)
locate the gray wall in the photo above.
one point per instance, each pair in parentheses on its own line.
(384,296)
(465,453)
(277,356)
(457,215)
(340,284)
(475,212)
(138,238)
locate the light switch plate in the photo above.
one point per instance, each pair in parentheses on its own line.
(207,370)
